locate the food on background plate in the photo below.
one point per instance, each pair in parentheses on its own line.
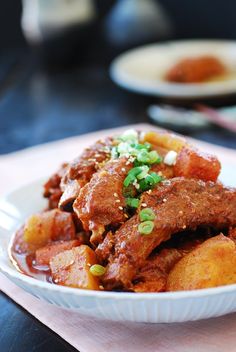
(139,212)
(195,70)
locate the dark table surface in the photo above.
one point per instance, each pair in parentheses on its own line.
(38,106)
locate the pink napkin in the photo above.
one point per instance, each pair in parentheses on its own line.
(92,335)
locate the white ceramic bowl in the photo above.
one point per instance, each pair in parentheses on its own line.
(141,70)
(136,307)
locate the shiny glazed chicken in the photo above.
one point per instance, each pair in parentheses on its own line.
(140,212)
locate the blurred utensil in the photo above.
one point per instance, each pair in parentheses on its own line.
(217,117)
(176,117)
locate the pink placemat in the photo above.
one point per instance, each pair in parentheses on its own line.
(88,334)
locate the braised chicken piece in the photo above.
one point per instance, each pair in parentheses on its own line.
(152,276)
(101,201)
(52,189)
(178,204)
(81,170)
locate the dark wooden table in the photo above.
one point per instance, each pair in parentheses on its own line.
(36,107)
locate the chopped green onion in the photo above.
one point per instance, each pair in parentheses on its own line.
(129,135)
(137,170)
(157,178)
(139,146)
(128,180)
(144,186)
(143,156)
(146,227)
(132,202)
(146,214)
(143,173)
(154,157)
(97,270)
(114,153)
(123,148)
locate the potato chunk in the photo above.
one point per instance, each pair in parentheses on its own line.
(53,225)
(166,140)
(211,264)
(45,254)
(192,163)
(71,268)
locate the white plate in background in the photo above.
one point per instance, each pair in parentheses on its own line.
(142,69)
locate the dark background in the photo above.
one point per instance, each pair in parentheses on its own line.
(63,89)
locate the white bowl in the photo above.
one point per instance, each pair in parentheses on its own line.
(137,307)
(141,70)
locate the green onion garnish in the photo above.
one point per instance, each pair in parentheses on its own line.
(143,156)
(138,146)
(157,178)
(132,202)
(128,180)
(97,270)
(129,135)
(154,157)
(146,214)
(146,227)
(114,153)
(143,173)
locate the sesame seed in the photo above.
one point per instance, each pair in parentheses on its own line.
(121,208)
(123,169)
(126,216)
(184,226)
(88,264)
(164,200)
(144,205)
(117,200)
(115,194)
(181,212)
(101,287)
(149,191)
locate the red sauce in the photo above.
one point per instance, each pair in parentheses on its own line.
(24,261)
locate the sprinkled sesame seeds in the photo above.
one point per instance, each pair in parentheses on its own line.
(180,212)
(115,194)
(135,184)
(184,226)
(164,200)
(117,201)
(144,205)
(126,216)
(120,207)
(123,169)
(101,287)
